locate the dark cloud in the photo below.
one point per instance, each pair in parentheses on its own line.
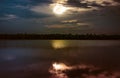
(93,3)
(117,0)
(76,3)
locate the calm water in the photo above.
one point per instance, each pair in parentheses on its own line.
(60,59)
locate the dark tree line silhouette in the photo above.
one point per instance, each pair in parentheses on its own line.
(58,36)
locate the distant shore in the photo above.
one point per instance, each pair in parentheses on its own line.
(58,37)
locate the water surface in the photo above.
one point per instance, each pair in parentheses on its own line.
(59,59)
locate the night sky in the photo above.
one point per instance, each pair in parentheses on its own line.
(60,16)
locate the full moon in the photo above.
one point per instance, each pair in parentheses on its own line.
(59,9)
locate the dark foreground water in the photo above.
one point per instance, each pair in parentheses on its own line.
(59,59)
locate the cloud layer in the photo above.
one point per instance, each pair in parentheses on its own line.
(9,17)
(73,5)
(87,3)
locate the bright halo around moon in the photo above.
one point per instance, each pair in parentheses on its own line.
(59,9)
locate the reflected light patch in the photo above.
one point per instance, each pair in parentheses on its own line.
(59,44)
(61,70)
(60,66)
(57,70)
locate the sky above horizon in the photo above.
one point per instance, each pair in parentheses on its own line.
(60,16)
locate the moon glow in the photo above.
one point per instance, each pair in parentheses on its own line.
(59,9)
